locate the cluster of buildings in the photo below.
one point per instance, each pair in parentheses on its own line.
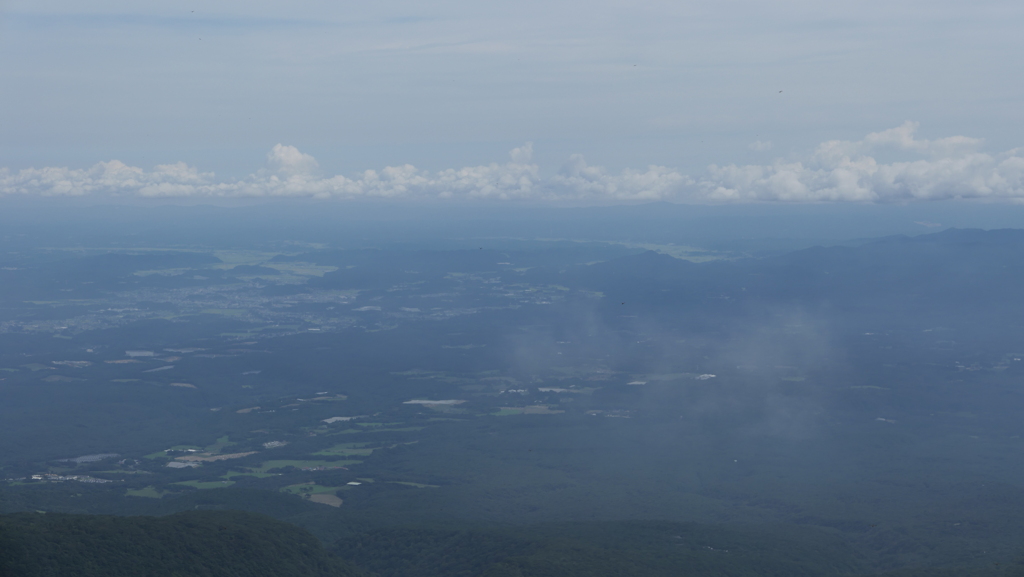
(61,478)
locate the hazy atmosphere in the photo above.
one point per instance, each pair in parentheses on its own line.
(452,289)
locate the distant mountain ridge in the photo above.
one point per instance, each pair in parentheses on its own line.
(973,267)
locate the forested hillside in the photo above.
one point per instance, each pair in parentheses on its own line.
(195,543)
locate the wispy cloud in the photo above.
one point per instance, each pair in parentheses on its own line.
(945,168)
(186,20)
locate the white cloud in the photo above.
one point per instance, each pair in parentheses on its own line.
(113,176)
(288,161)
(944,168)
(760,146)
(580,181)
(845,171)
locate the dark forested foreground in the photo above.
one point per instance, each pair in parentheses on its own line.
(199,543)
(231,543)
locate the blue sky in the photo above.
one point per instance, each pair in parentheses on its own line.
(455,85)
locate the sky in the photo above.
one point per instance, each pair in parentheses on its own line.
(556,101)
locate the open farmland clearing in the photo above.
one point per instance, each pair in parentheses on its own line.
(150,492)
(207,458)
(304,465)
(206,484)
(347,450)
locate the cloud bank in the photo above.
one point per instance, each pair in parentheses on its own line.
(945,168)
